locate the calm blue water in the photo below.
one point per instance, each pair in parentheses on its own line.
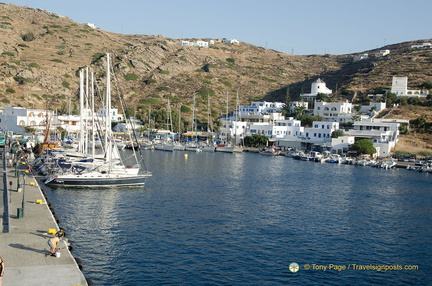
(241,219)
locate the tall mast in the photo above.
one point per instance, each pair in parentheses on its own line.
(81,142)
(108,109)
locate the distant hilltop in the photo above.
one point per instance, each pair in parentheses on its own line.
(42,51)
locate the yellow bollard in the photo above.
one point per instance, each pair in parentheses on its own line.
(39,201)
(52,231)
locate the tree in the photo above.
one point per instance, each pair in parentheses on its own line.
(418,122)
(390,98)
(357,107)
(255,140)
(363,146)
(337,133)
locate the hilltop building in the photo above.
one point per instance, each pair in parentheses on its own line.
(422,46)
(400,88)
(318,86)
(230,41)
(382,53)
(200,44)
(361,57)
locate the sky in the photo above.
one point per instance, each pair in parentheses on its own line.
(300,27)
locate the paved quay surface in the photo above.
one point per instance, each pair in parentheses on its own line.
(25,247)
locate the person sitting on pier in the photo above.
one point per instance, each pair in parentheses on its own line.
(61,233)
(53,244)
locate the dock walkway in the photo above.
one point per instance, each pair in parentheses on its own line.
(24,248)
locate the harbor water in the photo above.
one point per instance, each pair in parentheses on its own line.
(243,219)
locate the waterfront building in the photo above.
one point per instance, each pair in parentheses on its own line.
(260,111)
(341,144)
(383,133)
(16,118)
(318,86)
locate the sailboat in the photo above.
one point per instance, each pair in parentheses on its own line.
(110,171)
(228,147)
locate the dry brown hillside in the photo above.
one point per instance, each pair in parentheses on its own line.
(41,53)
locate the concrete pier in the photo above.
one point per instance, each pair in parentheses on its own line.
(23,243)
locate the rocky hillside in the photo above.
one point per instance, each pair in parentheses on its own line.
(41,53)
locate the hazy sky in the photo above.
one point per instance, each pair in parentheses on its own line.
(300,27)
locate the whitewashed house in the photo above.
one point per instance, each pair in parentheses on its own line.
(230,41)
(400,88)
(422,46)
(16,118)
(384,134)
(334,111)
(260,111)
(91,25)
(361,57)
(382,53)
(295,105)
(318,86)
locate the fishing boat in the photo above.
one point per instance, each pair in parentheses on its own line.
(269,151)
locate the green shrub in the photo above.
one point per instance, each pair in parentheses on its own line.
(164,72)
(33,65)
(227,83)
(150,81)
(97,57)
(10,54)
(65,84)
(131,76)
(148,101)
(58,61)
(162,88)
(10,90)
(67,75)
(185,109)
(21,79)
(5,100)
(28,37)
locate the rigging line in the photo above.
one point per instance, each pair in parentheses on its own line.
(123,103)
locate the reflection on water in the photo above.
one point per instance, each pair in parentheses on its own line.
(216,218)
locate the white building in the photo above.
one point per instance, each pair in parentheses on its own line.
(318,86)
(400,88)
(334,111)
(382,53)
(295,105)
(231,41)
(424,45)
(114,114)
(384,134)
(91,25)
(342,144)
(16,118)
(361,57)
(199,43)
